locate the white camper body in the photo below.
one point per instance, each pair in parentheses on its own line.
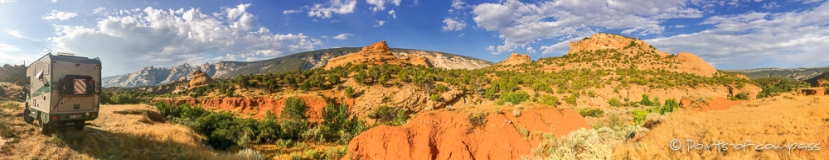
(63,91)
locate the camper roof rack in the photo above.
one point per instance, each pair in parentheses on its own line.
(65,54)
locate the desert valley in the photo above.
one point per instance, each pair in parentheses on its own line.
(609,97)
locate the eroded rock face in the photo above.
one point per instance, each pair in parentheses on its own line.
(377,53)
(256,107)
(450,135)
(199,79)
(690,63)
(515,59)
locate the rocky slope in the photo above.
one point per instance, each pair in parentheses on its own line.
(615,51)
(790,73)
(152,76)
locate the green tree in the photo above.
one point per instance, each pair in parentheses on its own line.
(615,102)
(349,92)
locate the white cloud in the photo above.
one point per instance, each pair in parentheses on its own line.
(771,5)
(380,5)
(453,25)
(520,24)
(54,1)
(8,48)
(789,39)
(14,33)
(678,26)
(393,15)
(333,6)
(163,37)
(530,49)
(98,10)
(343,36)
(379,23)
(17,58)
(458,4)
(291,11)
(55,15)
(7,1)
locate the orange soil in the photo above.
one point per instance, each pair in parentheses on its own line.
(450,135)
(714,104)
(259,107)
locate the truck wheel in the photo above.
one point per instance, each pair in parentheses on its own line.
(26,115)
(80,126)
(44,128)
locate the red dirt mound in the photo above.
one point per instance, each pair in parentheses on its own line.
(713,104)
(450,135)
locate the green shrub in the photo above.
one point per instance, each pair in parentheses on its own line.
(670,106)
(349,92)
(389,115)
(591,112)
(513,97)
(549,100)
(572,99)
(436,97)
(639,116)
(615,102)
(523,131)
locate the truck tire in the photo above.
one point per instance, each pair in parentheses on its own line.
(27,115)
(80,126)
(44,128)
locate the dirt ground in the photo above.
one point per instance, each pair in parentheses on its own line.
(121,132)
(782,120)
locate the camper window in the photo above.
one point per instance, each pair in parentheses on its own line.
(39,75)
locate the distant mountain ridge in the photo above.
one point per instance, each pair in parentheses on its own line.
(153,76)
(790,73)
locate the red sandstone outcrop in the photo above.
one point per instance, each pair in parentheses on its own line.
(199,79)
(450,135)
(515,59)
(377,53)
(690,63)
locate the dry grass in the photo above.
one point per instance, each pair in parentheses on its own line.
(780,120)
(112,136)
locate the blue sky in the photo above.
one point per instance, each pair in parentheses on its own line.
(130,35)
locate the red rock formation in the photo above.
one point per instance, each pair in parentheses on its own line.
(377,53)
(515,59)
(450,135)
(199,79)
(690,63)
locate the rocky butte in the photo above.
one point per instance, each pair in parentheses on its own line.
(515,59)
(377,53)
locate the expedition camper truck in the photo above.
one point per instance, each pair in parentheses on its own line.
(63,91)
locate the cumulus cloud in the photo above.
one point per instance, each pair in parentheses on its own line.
(54,1)
(787,39)
(55,15)
(343,36)
(453,25)
(530,49)
(379,23)
(520,24)
(380,5)
(392,13)
(149,36)
(332,7)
